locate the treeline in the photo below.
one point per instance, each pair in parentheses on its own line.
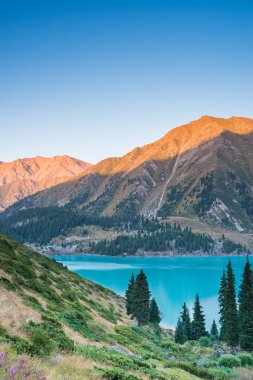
(41,224)
(164,238)
(138,302)
(236,318)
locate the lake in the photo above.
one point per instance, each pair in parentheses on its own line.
(172,280)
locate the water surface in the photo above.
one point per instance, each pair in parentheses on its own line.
(172,280)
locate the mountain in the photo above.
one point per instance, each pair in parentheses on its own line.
(27,176)
(201,170)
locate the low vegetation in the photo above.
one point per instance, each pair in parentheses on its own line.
(56,325)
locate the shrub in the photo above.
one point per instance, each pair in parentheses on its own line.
(229,361)
(246,360)
(42,344)
(115,374)
(204,341)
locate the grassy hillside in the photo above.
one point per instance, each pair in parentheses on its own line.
(68,327)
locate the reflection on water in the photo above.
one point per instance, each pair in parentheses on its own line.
(173,280)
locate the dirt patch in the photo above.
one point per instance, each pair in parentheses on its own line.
(14,313)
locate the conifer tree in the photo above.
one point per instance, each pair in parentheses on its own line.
(246,309)
(130,296)
(180,336)
(141,298)
(198,323)
(214,332)
(154,314)
(186,321)
(221,299)
(231,313)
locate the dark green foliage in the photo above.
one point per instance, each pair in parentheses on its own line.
(231,313)
(245,359)
(200,372)
(221,299)
(198,322)
(214,332)
(246,309)
(42,344)
(7,284)
(205,194)
(180,334)
(41,224)
(229,361)
(141,298)
(55,333)
(229,246)
(116,374)
(162,237)
(130,296)
(186,322)
(154,314)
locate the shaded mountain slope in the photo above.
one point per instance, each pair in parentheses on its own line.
(203,169)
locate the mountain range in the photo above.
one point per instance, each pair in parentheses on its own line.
(201,170)
(27,176)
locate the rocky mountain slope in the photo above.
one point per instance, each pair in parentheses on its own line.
(201,170)
(27,176)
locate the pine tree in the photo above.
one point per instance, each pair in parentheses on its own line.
(198,323)
(141,298)
(214,332)
(130,295)
(180,336)
(186,321)
(246,309)
(154,314)
(231,313)
(221,298)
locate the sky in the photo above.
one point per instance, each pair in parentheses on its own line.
(95,78)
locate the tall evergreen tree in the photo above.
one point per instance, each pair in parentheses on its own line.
(246,309)
(180,336)
(221,299)
(186,321)
(231,313)
(141,299)
(198,323)
(214,332)
(154,314)
(130,296)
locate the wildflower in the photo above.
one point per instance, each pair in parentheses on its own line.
(23,359)
(13,372)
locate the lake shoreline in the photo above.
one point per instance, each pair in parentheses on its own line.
(152,255)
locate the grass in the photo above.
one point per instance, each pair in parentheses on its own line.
(70,328)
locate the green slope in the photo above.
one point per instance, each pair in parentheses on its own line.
(74,329)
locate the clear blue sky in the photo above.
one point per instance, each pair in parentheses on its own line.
(94,78)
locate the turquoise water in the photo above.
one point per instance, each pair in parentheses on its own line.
(172,280)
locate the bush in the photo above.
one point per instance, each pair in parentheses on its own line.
(246,360)
(204,341)
(116,374)
(41,342)
(229,361)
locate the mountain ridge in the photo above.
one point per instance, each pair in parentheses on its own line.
(203,170)
(26,176)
